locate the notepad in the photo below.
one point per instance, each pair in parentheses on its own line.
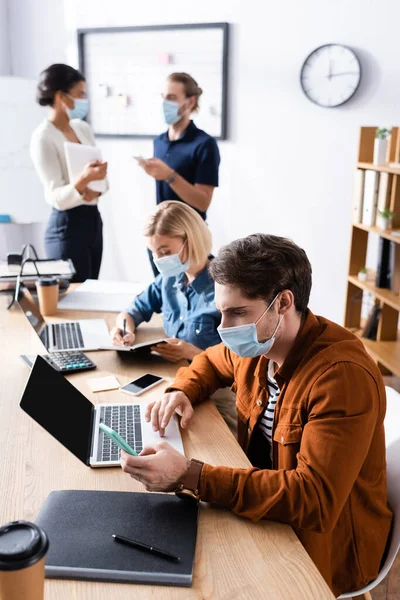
(80,525)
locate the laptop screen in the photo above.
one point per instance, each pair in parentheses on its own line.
(31,310)
(59,408)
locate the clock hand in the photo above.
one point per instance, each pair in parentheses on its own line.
(344,73)
(330,70)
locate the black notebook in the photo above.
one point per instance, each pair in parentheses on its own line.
(80,526)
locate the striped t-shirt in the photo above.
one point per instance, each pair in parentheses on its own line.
(267,419)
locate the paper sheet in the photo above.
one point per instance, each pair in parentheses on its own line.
(103,296)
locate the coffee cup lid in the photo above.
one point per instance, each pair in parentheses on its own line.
(47,280)
(22,544)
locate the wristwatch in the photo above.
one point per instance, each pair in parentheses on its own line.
(171,178)
(189,488)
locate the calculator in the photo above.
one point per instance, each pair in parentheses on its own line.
(64,362)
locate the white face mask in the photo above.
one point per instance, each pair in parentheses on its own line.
(243,339)
(171,265)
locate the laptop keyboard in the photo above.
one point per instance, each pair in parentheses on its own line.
(67,336)
(125,420)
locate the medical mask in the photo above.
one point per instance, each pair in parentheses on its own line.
(243,339)
(171,112)
(171,266)
(80,110)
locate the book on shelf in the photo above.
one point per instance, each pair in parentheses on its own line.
(371,327)
(383,268)
(370,199)
(383,194)
(358,194)
(394,268)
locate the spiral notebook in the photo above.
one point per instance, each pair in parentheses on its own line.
(80,525)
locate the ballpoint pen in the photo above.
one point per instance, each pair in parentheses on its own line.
(152,549)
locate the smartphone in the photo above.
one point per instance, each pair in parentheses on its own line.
(117,439)
(142,384)
(138,158)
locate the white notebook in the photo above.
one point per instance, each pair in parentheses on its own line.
(77,157)
(383,193)
(371,186)
(358,195)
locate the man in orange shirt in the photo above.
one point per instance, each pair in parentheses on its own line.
(310,403)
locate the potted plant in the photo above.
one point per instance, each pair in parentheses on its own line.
(362,274)
(385,218)
(381,146)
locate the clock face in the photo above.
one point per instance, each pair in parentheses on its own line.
(330,75)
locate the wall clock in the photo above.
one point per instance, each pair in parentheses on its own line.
(330,75)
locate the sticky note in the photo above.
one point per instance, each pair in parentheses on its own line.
(103,384)
(164,58)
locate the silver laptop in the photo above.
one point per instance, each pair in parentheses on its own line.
(87,334)
(73,420)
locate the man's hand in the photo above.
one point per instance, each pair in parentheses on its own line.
(160,411)
(156,168)
(175,350)
(160,468)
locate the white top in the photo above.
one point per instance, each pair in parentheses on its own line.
(267,419)
(48,155)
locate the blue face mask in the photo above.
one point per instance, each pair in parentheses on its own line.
(243,340)
(171,266)
(171,112)
(80,110)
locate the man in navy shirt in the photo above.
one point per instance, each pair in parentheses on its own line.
(186,159)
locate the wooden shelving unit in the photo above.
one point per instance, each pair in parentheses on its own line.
(386,349)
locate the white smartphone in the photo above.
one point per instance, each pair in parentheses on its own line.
(139,158)
(141,384)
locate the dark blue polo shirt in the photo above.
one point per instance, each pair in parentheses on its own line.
(194,156)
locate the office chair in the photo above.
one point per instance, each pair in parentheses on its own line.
(392,433)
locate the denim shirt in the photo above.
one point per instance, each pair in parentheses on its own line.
(188,310)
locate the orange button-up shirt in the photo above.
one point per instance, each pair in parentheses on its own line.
(328,475)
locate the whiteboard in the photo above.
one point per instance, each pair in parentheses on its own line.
(125,71)
(21,193)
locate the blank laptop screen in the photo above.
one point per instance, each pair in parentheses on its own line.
(60,408)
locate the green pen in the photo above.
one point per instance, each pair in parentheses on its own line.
(117,439)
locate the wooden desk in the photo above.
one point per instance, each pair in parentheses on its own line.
(235,558)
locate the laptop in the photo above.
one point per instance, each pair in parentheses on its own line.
(65,413)
(87,334)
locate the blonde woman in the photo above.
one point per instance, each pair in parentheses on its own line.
(183,292)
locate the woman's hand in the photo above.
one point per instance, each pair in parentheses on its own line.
(94,171)
(89,195)
(175,350)
(156,168)
(118,340)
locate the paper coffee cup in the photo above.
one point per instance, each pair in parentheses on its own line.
(47,291)
(23,548)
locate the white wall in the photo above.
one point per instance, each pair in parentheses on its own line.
(5,66)
(288,165)
(37,35)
